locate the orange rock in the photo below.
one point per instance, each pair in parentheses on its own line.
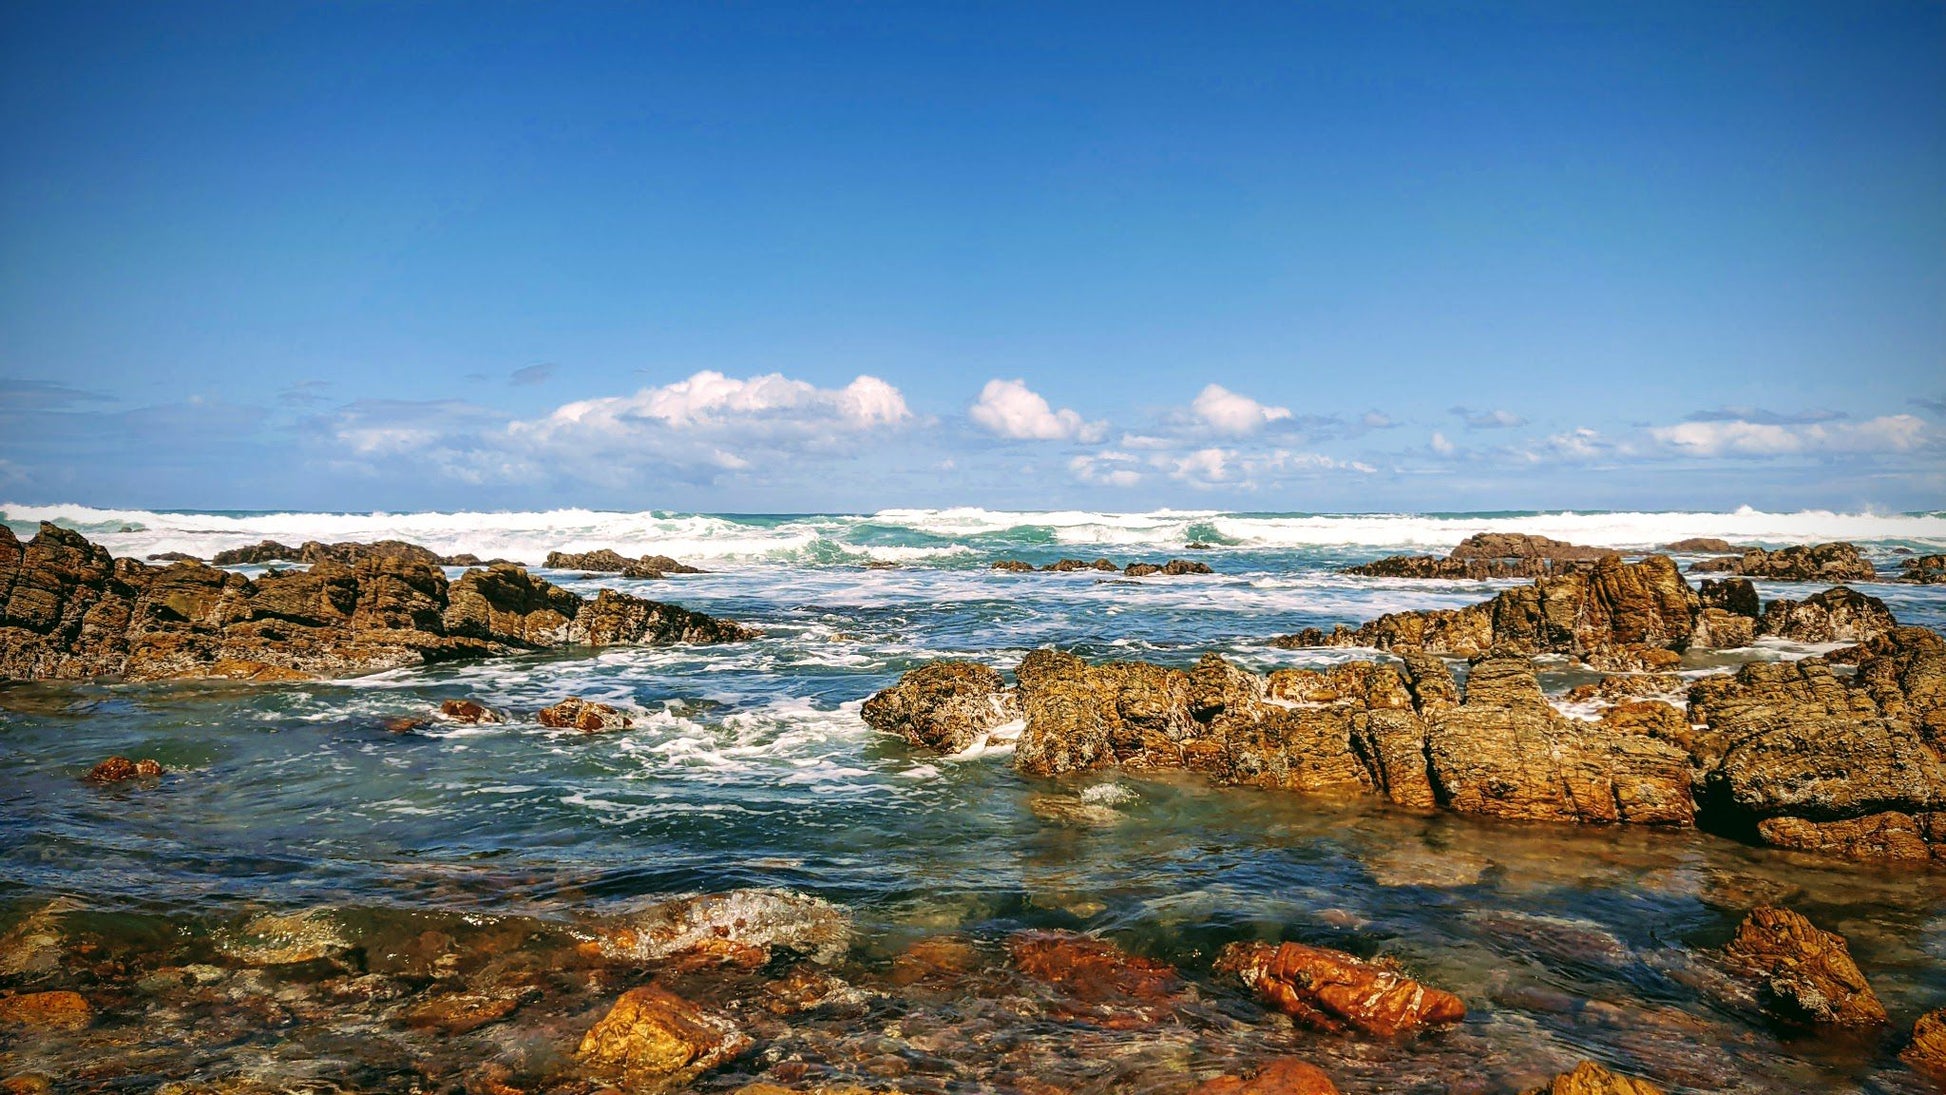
(575,713)
(1284,1076)
(47,1010)
(1804,972)
(1589,1078)
(939,956)
(460,1012)
(653,1036)
(1927,1053)
(467,711)
(1090,969)
(117,769)
(1334,991)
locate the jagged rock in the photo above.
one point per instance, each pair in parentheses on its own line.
(1803,973)
(1064,566)
(945,706)
(67,610)
(456,1013)
(609,561)
(1927,1051)
(1080,717)
(1923,570)
(1172,568)
(1090,969)
(1487,555)
(653,1039)
(57,1010)
(1729,617)
(1837,562)
(313,551)
(267,551)
(1589,1078)
(1839,614)
(1283,1076)
(174,557)
(740,927)
(1801,758)
(118,769)
(1014,566)
(586,716)
(1520,545)
(1699,545)
(1335,992)
(468,711)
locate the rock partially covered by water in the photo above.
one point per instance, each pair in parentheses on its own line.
(1809,760)
(1836,562)
(286,939)
(1133,570)
(1171,568)
(1090,969)
(1284,1076)
(1923,570)
(119,769)
(1613,615)
(1927,1051)
(67,610)
(58,1010)
(1802,972)
(1700,545)
(946,706)
(741,927)
(653,1040)
(468,712)
(609,561)
(1838,615)
(348,553)
(1334,991)
(1589,1078)
(587,716)
(1487,555)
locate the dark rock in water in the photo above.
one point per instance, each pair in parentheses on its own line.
(1092,970)
(1837,615)
(1014,566)
(609,561)
(1064,566)
(1589,1078)
(1283,1076)
(1800,758)
(1729,617)
(740,927)
(1836,562)
(1613,615)
(1700,545)
(467,711)
(654,1039)
(404,724)
(1196,545)
(1923,570)
(1133,570)
(1803,973)
(1487,555)
(175,557)
(1336,992)
(1927,1051)
(267,551)
(67,611)
(945,706)
(118,769)
(348,553)
(1185,566)
(586,716)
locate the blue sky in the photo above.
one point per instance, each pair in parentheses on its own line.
(750,257)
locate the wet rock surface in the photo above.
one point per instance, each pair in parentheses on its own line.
(587,716)
(67,610)
(654,1039)
(122,769)
(1835,563)
(739,927)
(1487,555)
(609,561)
(1926,1052)
(1287,1076)
(945,706)
(1838,615)
(1589,1078)
(1334,991)
(1802,972)
(1923,570)
(1171,568)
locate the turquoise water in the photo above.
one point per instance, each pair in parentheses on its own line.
(749,766)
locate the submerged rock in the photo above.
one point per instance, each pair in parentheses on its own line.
(469,712)
(652,1038)
(1927,1051)
(1335,992)
(69,611)
(287,939)
(119,769)
(58,1010)
(1090,969)
(1837,615)
(575,713)
(1803,973)
(1835,562)
(740,927)
(1589,1078)
(945,706)
(1284,1076)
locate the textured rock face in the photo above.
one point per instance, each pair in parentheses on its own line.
(654,1039)
(1700,545)
(1927,1051)
(586,716)
(740,927)
(946,706)
(1589,1078)
(1487,555)
(1334,991)
(1837,615)
(69,611)
(1805,759)
(46,1010)
(1132,570)
(610,561)
(1839,562)
(1924,570)
(1284,1076)
(120,769)
(1803,973)
(1092,970)
(313,551)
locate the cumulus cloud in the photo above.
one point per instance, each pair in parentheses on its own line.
(1440,445)
(1220,467)
(1009,408)
(1487,420)
(1228,412)
(1107,468)
(767,407)
(1897,433)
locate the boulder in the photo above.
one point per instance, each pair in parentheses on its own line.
(613,619)
(1836,562)
(1283,1076)
(469,712)
(1837,615)
(1092,970)
(58,1010)
(1014,566)
(575,713)
(1589,1078)
(652,1038)
(119,769)
(609,561)
(1336,992)
(1699,545)
(1923,569)
(1520,545)
(505,603)
(944,706)
(1487,555)
(1927,1051)
(1802,972)
(739,927)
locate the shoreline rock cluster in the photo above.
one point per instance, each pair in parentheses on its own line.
(609,561)
(1488,555)
(1172,568)
(1834,562)
(70,611)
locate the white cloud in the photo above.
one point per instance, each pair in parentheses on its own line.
(1219,467)
(1202,468)
(1885,434)
(1107,468)
(1228,412)
(1487,420)
(1440,445)
(709,401)
(1009,408)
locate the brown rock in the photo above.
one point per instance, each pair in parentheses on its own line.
(1589,1078)
(619,619)
(1092,970)
(468,711)
(739,927)
(1487,555)
(654,1038)
(1334,991)
(1837,562)
(117,769)
(1837,615)
(1284,1076)
(455,1013)
(1014,566)
(1923,570)
(614,562)
(575,713)
(58,1010)
(404,724)
(1803,973)
(1927,1051)
(1699,545)
(944,706)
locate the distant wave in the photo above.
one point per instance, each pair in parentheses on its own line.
(955,535)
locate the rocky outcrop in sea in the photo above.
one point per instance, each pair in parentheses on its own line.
(609,561)
(1835,562)
(1488,555)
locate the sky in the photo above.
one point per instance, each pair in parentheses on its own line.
(756,258)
